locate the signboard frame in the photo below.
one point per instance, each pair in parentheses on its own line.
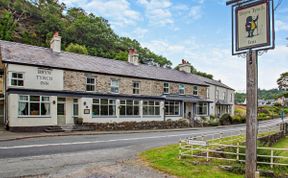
(270,29)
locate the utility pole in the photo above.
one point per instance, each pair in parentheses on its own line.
(251,114)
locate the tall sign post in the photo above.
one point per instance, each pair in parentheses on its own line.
(252,33)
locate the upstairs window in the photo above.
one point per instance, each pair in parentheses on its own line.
(114,86)
(136,88)
(90,84)
(195,90)
(217,94)
(166,88)
(17,79)
(181,89)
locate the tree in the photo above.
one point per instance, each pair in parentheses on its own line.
(76,48)
(7,26)
(283,81)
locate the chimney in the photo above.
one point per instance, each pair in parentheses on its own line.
(133,56)
(185,66)
(55,43)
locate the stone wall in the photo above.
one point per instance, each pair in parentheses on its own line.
(76,81)
(145,125)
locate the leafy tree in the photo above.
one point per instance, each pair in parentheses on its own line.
(76,48)
(283,81)
(7,26)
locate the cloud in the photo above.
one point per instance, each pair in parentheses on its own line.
(139,33)
(281,26)
(118,12)
(195,12)
(157,11)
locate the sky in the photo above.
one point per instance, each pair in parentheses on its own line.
(195,30)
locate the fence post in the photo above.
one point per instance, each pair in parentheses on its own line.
(271,163)
(180,147)
(237,151)
(207,154)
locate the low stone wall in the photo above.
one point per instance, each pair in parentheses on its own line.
(144,125)
(271,139)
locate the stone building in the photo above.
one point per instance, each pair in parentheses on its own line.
(47,87)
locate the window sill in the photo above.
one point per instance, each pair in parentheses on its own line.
(104,116)
(130,116)
(151,116)
(34,116)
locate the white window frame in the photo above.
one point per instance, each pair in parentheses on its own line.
(181,87)
(75,102)
(17,79)
(167,103)
(136,88)
(148,106)
(195,90)
(197,109)
(217,94)
(167,87)
(133,105)
(91,84)
(28,101)
(113,86)
(111,102)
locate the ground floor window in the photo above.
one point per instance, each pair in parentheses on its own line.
(75,107)
(34,105)
(172,108)
(202,109)
(104,107)
(151,108)
(129,108)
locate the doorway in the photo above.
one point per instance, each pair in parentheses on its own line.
(61,112)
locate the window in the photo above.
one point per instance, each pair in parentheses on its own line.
(181,89)
(202,109)
(136,88)
(61,106)
(34,105)
(195,90)
(151,108)
(17,79)
(231,97)
(224,96)
(129,107)
(166,88)
(172,108)
(75,107)
(90,84)
(208,93)
(104,107)
(114,86)
(217,94)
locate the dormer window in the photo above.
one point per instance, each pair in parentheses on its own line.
(17,79)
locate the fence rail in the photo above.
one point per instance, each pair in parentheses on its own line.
(223,147)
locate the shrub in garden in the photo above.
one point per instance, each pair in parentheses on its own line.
(226,119)
(238,119)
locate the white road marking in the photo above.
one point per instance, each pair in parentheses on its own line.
(116,140)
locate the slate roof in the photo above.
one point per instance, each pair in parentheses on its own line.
(18,53)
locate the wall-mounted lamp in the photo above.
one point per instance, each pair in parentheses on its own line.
(84,103)
(54,102)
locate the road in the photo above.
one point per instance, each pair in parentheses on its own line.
(110,155)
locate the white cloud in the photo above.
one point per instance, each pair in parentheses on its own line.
(118,12)
(281,26)
(158,11)
(139,33)
(195,12)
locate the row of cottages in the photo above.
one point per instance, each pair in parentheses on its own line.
(46,87)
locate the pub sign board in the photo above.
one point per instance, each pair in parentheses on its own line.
(253,26)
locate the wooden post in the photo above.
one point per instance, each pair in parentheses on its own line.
(251,117)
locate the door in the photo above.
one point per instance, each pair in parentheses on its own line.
(1,113)
(61,113)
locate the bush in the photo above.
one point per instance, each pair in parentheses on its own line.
(226,119)
(238,119)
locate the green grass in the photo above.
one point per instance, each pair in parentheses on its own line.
(166,160)
(283,143)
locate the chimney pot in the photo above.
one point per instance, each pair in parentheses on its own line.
(185,66)
(55,43)
(133,56)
